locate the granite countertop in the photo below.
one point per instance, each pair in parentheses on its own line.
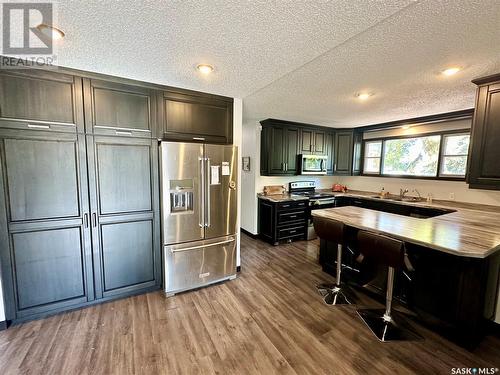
(282,197)
(466,232)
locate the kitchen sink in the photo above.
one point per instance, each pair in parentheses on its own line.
(399,199)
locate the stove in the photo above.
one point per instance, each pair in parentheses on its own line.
(317,200)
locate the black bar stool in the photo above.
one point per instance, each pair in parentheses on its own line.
(333,231)
(390,252)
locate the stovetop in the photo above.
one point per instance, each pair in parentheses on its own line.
(307,189)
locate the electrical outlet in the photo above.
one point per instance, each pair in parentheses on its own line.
(452,196)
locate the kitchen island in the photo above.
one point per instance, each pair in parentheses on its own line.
(453,280)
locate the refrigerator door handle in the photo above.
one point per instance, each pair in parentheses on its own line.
(202,195)
(207,220)
(201,246)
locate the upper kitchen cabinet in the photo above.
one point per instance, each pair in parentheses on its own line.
(196,117)
(279,149)
(356,152)
(330,152)
(40,100)
(113,108)
(484,153)
(313,141)
(343,152)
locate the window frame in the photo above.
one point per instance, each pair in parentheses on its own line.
(440,156)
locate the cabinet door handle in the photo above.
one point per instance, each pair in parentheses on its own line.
(85,220)
(198,138)
(119,132)
(34,126)
(94,220)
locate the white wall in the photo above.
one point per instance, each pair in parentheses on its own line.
(237,137)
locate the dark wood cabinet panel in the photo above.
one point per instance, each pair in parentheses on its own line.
(277,150)
(128,254)
(32,99)
(280,147)
(312,142)
(282,221)
(319,142)
(42,178)
(49,266)
(45,252)
(124,177)
(196,118)
(484,153)
(291,150)
(117,109)
(306,141)
(343,152)
(357,152)
(330,152)
(124,198)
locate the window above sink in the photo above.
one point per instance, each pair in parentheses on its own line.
(435,156)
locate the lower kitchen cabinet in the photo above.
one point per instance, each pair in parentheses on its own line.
(79,220)
(282,221)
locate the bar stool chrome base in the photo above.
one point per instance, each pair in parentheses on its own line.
(386,328)
(335,295)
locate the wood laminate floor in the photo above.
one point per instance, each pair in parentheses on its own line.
(269,320)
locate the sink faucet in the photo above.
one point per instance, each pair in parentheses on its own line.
(402,193)
(419,196)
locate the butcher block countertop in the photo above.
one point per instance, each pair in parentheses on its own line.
(466,232)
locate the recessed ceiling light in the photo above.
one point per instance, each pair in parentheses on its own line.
(363,95)
(406,127)
(51,31)
(451,71)
(205,68)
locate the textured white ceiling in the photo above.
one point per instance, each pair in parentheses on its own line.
(297,60)
(250,43)
(399,60)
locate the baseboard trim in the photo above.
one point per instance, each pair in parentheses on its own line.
(254,236)
(238,269)
(3,325)
(493,328)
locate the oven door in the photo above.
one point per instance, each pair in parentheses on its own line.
(313,164)
(317,205)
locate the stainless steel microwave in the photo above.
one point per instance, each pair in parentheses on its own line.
(313,164)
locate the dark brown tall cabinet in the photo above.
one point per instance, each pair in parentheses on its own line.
(484,159)
(79,206)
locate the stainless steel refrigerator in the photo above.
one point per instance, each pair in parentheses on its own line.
(199,209)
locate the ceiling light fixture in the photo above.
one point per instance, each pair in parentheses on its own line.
(51,31)
(363,95)
(451,71)
(406,127)
(205,68)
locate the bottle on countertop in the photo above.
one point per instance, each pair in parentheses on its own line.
(429,198)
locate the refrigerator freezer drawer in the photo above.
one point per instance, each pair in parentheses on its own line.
(196,264)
